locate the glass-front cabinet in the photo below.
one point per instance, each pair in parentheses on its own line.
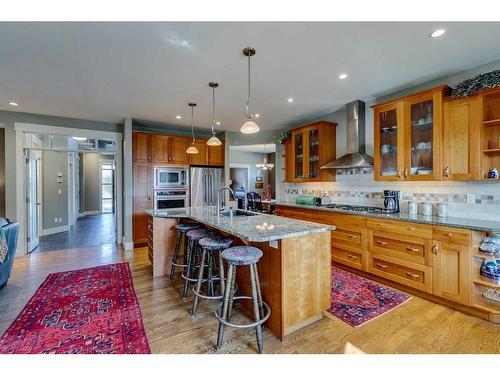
(312,147)
(408,137)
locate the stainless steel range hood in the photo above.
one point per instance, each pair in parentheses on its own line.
(356,156)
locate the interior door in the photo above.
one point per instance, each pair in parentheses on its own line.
(33,184)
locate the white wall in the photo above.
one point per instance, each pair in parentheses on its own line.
(249,158)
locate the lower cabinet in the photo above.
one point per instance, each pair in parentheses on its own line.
(452,271)
(433,259)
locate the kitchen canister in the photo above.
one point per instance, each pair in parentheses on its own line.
(442,209)
(426,208)
(412,207)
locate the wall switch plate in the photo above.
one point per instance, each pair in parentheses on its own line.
(55,220)
(471,198)
(59,191)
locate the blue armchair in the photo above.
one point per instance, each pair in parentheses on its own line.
(11,231)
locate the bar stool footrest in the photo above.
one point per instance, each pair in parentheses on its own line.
(249,325)
(204,296)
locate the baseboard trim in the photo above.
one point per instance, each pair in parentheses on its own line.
(87,213)
(62,228)
(128,245)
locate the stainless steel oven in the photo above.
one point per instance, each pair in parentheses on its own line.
(171,198)
(171,178)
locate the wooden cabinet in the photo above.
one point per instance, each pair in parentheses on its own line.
(201,157)
(141,147)
(143,200)
(452,271)
(310,148)
(408,137)
(461,141)
(216,155)
(169,149)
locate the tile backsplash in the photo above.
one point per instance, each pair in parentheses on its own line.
(473,199)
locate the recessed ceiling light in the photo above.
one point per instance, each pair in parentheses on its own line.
(342,76)
(178,117)
(217,123)
(13,104)
(290,100)
(437,33)
(257,115)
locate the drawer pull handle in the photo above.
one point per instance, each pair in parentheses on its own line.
(414,275)
(352,236)
(381,265)
(380,224)
(411,228)
(381,242)
(449,234)
(351,256)
(412,249)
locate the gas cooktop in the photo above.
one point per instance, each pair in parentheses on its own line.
(368,209)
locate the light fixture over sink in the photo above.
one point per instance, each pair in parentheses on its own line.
(213,141)
(192,149)
(249,127)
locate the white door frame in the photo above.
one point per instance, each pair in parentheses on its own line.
(20,128)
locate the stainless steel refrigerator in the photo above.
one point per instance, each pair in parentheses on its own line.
(205,182)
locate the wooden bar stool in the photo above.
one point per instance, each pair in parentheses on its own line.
(181,240)
(193,256)
(210,245)
(242,256)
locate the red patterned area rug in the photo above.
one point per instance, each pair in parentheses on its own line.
(87,311)
(357,300)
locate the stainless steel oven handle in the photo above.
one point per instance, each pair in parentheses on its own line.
(211,187)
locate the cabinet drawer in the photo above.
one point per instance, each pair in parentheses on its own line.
(352,238)
(407,229)
(411,249)
(413,275)
(452,235)
(339,220)
(348,258)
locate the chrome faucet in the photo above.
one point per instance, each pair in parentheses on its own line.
(219,208)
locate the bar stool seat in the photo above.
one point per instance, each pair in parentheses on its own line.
(216,242)
(242,255)
(184,227)
(198,234)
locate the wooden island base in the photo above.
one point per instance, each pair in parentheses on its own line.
(294,273)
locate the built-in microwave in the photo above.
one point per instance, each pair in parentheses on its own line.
(171,177)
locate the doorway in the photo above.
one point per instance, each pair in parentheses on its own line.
(33,199)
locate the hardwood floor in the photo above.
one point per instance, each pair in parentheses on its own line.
(417,326)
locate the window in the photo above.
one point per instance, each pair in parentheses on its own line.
(107,180)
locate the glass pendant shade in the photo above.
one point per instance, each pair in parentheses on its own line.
(191,149)
(214,141)
(249,127)
(265,165)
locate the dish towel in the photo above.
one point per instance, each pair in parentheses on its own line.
(3,247)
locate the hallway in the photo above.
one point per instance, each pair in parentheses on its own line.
(87,231)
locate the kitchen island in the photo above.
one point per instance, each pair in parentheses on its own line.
(294,272)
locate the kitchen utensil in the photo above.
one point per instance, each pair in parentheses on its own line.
(391,200)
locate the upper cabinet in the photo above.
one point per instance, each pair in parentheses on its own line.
(169,149)
(309,149)
(461,141)
(408,137)
(490,132)
(141,147)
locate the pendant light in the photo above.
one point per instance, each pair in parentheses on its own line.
(249,127)
(213,141)
(192,149)
(265,165)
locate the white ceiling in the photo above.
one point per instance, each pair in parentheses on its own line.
(108,71)
(267,148)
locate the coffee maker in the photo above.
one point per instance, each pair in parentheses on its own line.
(391,200)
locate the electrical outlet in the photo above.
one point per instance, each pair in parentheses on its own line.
(60,219)
(471,198)
(59,191)
(55,220)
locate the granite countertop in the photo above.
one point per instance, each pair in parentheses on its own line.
(248,228)
(457,222)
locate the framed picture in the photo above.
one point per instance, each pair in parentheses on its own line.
(258,178)
(259,185)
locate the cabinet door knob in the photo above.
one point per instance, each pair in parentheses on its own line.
(406,172)
(400,172)
(446,172)
(435,249)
